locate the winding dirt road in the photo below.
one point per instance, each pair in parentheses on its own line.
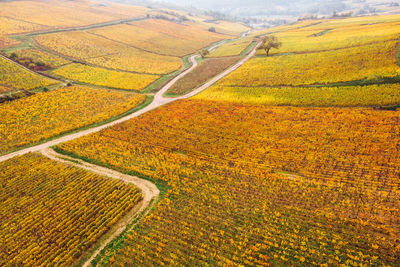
(150,192)
(159,100)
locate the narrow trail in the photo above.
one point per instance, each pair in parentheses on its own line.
(149,191)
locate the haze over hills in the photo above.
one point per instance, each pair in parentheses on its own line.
(283,10)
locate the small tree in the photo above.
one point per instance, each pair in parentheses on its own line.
(204,53)
(269,42)
(212,29)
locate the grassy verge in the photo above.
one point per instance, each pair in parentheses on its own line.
(201,75)
(145,103)
(158,84)
(109,250)
(248,49)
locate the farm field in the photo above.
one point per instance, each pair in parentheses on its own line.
(107,53)
(356,63)
(324,36)
(205,71)
(159,40)
(242,196)
(53,213)
(233,48)
(67,14)
(290,158)
(33,58)
(343,96)
(13,77)
(102,77)
(48,114)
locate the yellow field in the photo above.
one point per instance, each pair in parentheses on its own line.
(318,38)
(371,95)
(364,62)
(223,27)
(35,55)
(257,185)
(159,37)
(106,53)
(52,213)
(104,77)
(12,26)
(15,77)
(148,40)
(69,13)
(41,116)
(232,48)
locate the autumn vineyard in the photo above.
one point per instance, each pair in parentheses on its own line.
(157,136)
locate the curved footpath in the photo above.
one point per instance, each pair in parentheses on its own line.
(150,192)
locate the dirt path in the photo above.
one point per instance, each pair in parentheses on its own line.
(149,191)
(150,194)
(158,101)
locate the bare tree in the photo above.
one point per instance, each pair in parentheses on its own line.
(269,42)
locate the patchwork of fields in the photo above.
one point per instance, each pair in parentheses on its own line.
(291,159)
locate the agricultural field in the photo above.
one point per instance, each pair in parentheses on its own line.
(53,213)
(233,48)
(259,185)
(223,27)
(349,64)
(103,77)
(322,37)
(157,37)
(103,52)
(36,59)
(44,115)
(343,96)
(205,71)
(68,14)
(14,77)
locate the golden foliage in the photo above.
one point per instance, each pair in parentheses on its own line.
(260,185)
(365,62)
(68,14)
(107,53)
(51,213)
(157,37)
(35,55)
(233,48)
(41,116)
(104,77)
(15,77)
(370,95)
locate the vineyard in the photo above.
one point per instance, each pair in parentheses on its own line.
(103,77)
(32,58)
(348,64)
(233,48)
(205,71)
(52,213)
(14,77)
(107,53)
(48,114)
(344,96)
(321,187)
(159,40)
(290,158)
